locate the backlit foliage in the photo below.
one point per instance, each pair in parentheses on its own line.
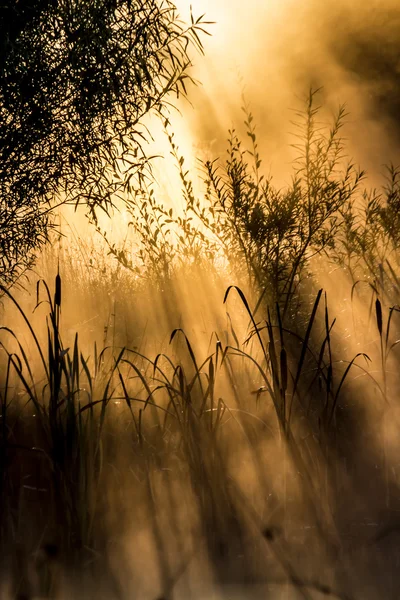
(76,78)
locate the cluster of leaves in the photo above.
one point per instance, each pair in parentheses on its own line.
(369,239)
(76,78)
(266,235)
(22,230)
(274,232)
(165,241)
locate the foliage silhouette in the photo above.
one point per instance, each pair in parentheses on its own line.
(266,235)
(76,79)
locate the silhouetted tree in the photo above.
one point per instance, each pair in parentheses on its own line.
(76,79)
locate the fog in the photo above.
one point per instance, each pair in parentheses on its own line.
(222,491)
(276,51)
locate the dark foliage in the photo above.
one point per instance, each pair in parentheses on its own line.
(76,78)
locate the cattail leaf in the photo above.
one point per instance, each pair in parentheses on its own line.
(378,310)
(57,296)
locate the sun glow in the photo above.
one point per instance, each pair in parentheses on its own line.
(207,383)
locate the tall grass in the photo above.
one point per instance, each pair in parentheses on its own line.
(157,474)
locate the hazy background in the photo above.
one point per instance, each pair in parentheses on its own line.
(275,50)
(272,52)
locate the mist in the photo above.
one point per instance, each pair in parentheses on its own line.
(273,52)
(199,389)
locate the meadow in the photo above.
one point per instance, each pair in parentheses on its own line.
(208,409)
